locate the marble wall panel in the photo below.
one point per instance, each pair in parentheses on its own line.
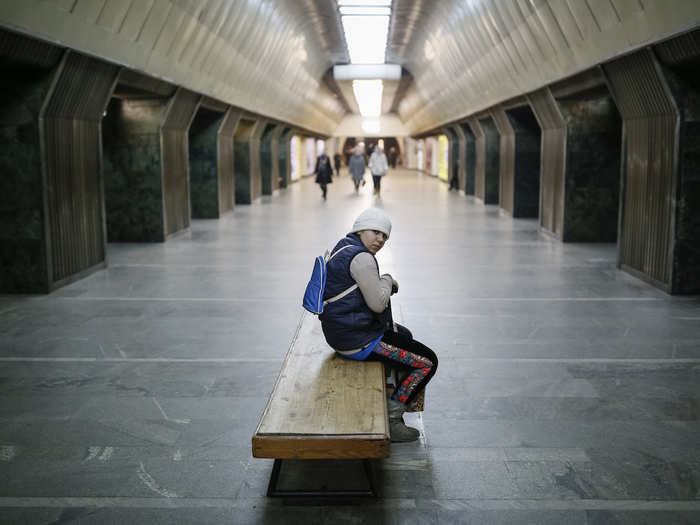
(469,159)
(491,161)
(242,168)
(592,168)
(526,189)
(204,172)
(284,157)
(266,159)
(684,83)
(274,158)
(23,250)
(461,156)
(133,170)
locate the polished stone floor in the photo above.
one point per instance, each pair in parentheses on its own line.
(568,392)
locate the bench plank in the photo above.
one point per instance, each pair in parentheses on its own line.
(322,405)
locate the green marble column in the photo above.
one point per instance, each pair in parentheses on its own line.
(592,175)
(274,158)
(284,157)
(204,169)
(526,189)
(491,151)
(269,170)
(147,166)
(469,158)
(520,160)
(133,173)
(24,265)
(461,156)
(452,153)
(580,163)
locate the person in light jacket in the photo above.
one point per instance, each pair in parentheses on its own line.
(378,166)
(359,326)
(357,168)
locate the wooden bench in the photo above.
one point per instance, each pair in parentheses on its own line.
(323,407)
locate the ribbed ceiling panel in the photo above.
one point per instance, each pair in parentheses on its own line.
(466,56)
(270,56)
(266,56)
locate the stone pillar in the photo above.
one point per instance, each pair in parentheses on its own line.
(552,163)
(528,136)
(284,159)
(469,158)
(274,158)
(51,193)
(247,151)
(506,161)
(269,153)
(519,162)
(452,153)
(147,166)
(461,156)
(204,165)
(580,163)
(225,160)
(657,96)
(487,159)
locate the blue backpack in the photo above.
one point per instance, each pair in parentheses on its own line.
(313,295)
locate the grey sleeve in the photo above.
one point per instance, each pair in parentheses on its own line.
(375,290)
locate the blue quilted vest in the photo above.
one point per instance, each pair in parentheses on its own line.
(348,323)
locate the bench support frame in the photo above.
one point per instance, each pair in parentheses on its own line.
(274,492)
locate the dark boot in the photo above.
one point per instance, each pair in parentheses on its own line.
(398,430)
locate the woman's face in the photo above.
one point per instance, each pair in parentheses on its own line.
(372,239)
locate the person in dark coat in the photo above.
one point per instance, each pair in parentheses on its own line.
(336,161)
(393,156)
(324,173)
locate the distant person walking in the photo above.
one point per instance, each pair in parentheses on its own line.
(324,173)
(378,166)
(454,181)
(357,168)
(393,156)
(337,159)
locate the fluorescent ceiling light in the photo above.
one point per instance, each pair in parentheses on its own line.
(386,3)
(368,94)
(365,10)
(366,38)
(367,71)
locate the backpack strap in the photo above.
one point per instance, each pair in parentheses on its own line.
(344,292)
(336,252)
(341,294)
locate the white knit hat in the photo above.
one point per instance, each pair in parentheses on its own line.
(372,219)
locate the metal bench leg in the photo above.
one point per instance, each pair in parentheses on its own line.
(274,492)
(274,478)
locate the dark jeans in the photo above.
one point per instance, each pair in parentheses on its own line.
(377,179)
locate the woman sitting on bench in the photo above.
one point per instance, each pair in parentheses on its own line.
(359,326)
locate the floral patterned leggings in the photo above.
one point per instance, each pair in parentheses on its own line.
(415,359)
